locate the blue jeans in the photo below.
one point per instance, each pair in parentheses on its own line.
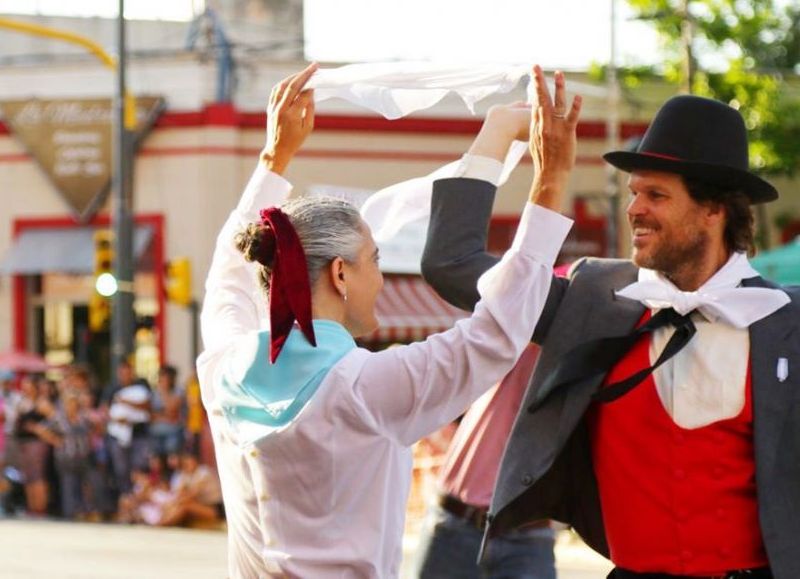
(449,548)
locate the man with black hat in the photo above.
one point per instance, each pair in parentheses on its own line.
(663,420)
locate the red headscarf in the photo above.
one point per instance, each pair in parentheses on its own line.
(289,286)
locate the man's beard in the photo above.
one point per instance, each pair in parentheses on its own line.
(677,254)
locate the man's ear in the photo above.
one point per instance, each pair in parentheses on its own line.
(713,211)
(337,275)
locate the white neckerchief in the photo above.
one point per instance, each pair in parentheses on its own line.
(705,382)
(721,298)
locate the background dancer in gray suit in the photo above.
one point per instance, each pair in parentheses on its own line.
(663,419)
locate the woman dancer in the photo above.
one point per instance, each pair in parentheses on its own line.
(312,433)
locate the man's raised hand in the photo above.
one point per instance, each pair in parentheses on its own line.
(553,139)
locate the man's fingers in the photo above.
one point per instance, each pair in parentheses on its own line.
(297,83)
(305,102)
(542,92)
(560,106)
(575,110)
(277,92)
(280,89)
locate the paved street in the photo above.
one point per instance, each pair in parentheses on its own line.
(53,550)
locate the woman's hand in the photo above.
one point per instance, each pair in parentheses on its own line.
(552,141)
(290,119)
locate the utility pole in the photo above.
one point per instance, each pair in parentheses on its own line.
(612,141)
(122,319)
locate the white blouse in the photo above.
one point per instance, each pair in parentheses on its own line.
(326,495)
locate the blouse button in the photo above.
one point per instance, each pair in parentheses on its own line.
(254,453)
(527,480)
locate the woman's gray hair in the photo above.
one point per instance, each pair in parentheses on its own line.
(327,227)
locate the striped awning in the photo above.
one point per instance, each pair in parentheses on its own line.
(409,310)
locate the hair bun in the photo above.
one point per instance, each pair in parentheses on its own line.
(257,243)
(265,250)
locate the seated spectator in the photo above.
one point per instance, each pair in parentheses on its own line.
(146,502)
(197,498)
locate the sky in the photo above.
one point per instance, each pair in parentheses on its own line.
(568,34)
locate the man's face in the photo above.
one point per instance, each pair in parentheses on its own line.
(125,375)
(668,227)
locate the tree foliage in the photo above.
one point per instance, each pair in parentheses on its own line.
(758,41)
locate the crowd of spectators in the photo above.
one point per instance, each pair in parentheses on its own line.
(126,452)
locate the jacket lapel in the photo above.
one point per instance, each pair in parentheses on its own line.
(617,318)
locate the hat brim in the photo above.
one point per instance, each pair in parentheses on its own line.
(758,190)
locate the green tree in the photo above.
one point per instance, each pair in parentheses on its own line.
(759,42)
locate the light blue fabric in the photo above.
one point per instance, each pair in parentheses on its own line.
(259,398)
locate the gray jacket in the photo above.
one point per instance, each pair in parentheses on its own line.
(547,472)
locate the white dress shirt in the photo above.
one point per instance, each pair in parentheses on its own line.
(326,495)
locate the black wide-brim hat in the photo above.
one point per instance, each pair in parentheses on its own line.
(699,138)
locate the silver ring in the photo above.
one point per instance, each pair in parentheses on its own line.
(560,116)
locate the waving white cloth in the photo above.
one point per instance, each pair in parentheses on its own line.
(705,382)
(396,89)
(720,298)
(392,208)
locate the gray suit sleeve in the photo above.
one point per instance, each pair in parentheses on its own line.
(455,253)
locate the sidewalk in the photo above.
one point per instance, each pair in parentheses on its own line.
(35,549)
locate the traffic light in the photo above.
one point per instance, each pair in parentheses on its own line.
(104,280)
(179,281)
(99,313)
(103,251)
(105,284)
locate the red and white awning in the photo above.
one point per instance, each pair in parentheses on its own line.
(409,310)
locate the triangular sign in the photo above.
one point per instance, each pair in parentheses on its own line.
(71,139)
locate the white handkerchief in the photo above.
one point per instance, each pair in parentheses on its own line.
(396,89)
(392,208)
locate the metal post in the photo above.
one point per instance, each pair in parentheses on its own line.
(194,310)
(612,142)
(122,320)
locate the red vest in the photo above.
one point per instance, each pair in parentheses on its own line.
(674,500)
